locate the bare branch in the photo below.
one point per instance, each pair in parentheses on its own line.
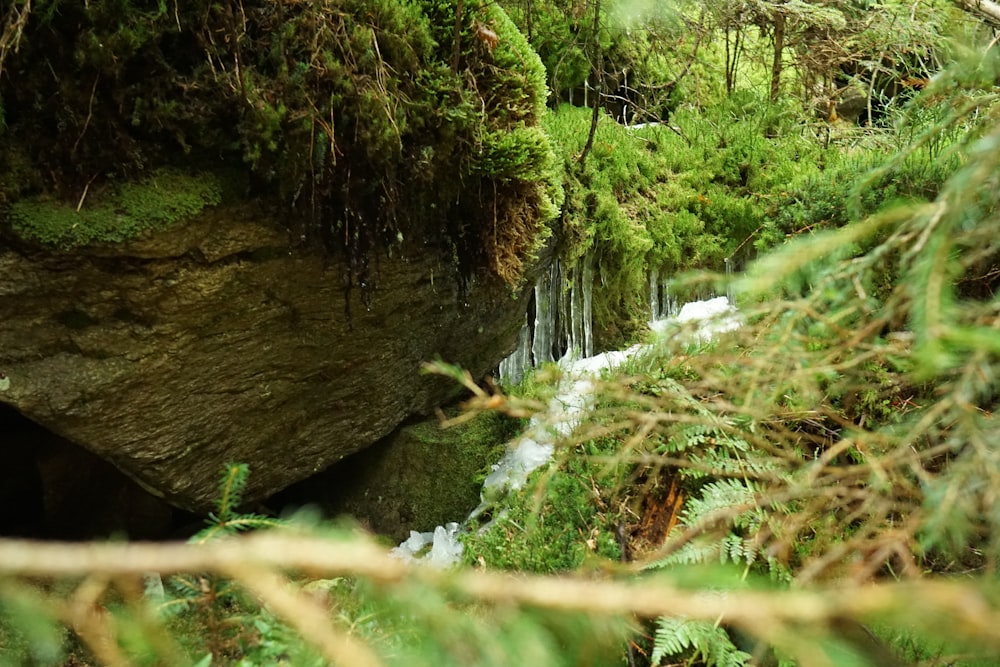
(13,28)
(249,558)
(987,10)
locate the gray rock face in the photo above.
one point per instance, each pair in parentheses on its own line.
(420,477)
(216,341)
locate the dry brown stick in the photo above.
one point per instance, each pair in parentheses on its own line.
(962,605)
(304,614)
(93,624)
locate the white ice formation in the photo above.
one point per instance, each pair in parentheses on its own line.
(574,397)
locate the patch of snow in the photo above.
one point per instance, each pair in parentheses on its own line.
(445,548)
(714,316)
(573,399)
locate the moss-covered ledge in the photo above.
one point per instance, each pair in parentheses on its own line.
(419,477)
(367,122)
(390,154)
(122,212)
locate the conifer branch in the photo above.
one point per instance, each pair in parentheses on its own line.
(969,606)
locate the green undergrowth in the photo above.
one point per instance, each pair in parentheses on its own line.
(810,445)
(206,619)
(724,180)
(395,487)
(480,440)
(563,520)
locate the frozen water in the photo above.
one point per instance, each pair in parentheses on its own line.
(588,305)
(714,316)
(654,294)
(515,466)
(414,546)
(445,547)
(703,310)
(512,368)
(546,311)
(562,322)
(574,398)
(662,304)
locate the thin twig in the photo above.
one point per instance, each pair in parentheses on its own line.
(963,603)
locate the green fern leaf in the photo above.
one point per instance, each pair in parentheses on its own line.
(698,640)
(234,481)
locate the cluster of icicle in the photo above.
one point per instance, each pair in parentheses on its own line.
(574,395)
(562,324)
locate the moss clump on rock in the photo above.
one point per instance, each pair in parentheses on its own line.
(127,211)
(366,121)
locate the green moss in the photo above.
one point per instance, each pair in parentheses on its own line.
(366,121)
(558,523)
(420,477)
(477,443)
(523,153)
(131,209)
(522,71)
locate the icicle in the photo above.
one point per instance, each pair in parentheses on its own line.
(575,313)
(555,298)
(563,320)
(545,317)
(654,294)
(565,317)
(588,305)
(512,368)
(570,316)
(729,280)
(671,306)
(625,118)
(539,350)
(580,321)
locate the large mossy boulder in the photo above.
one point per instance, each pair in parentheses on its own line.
(232,231)
(216,340)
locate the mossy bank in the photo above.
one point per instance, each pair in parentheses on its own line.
(360,122)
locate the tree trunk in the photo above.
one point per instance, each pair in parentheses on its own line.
(729,65)
(599,71)
(779,48)
(734,44)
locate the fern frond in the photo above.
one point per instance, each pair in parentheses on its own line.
(692,553)
(721,464)
(234,481)
(736,549)
(718,495)
(730,548)
(702,640)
